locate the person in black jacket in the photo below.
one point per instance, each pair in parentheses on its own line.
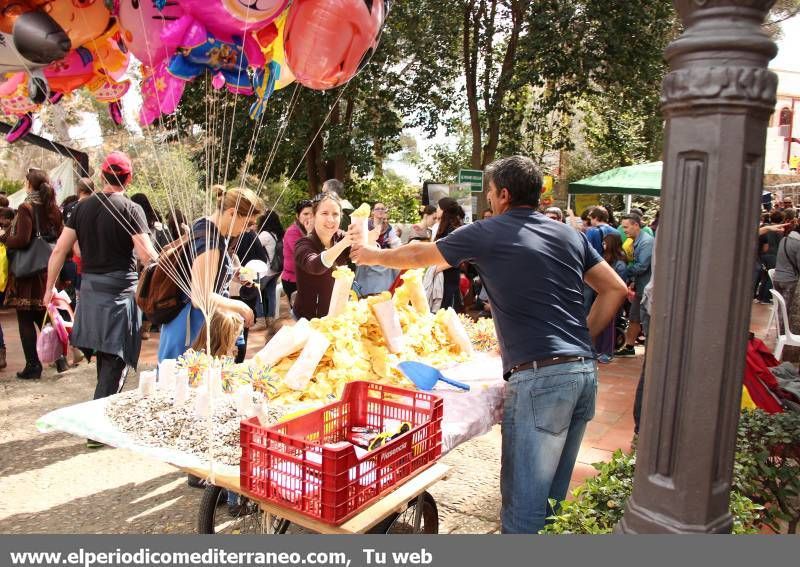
(248,248)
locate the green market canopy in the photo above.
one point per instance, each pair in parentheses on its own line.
(643,179)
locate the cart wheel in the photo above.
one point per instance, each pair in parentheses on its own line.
(214,517)
(403,523)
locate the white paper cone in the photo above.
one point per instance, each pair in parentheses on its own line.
(287,341)
(262,412)
(147,383)
(244,400)
(363,222)
(389,321)
(341,293)
(419,299)
(306,364)
(181,387)
(201,403)
(457,332)
(214,381)
(166,374)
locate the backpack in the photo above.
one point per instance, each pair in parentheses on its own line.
(158,295)
(276,262)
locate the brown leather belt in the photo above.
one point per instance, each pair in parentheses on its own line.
(543,363)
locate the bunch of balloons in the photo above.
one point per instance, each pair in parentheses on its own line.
(49,48)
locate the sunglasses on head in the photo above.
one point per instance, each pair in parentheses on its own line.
(320,196)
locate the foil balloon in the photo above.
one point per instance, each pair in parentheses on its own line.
(29,38)
(14,102)
(214,36)
(82,20)
(102,59)
(264,81)
(142,22)
(273,49)
(228,20)
(328,41)
(161,93)
(99,67)
(43,32)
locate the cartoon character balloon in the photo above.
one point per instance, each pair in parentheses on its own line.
(29,38)
(45,31)
(328,41)
(142,23)
(215,36)
(228,20)
(83,20)
(14,101)
(99,69)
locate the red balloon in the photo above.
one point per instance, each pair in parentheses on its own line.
(328,41)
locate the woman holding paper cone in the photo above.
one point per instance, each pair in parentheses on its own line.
(317,255)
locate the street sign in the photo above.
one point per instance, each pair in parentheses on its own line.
(472,176)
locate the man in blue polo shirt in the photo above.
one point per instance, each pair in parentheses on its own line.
(534,271)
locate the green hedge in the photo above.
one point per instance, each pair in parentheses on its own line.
(766,482)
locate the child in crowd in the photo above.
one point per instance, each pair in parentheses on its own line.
(225,330)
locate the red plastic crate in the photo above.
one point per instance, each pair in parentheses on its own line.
(297,465)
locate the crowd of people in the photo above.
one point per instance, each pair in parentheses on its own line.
(565,291)
(777,265)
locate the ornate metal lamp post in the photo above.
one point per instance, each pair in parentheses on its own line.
(716,100)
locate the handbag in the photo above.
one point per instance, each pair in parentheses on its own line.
(33,259)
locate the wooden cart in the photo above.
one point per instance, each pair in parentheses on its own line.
(409,508)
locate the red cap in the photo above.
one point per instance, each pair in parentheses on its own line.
(118,163)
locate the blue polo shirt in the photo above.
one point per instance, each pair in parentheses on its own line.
(532,269)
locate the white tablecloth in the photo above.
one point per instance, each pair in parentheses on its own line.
(466,415)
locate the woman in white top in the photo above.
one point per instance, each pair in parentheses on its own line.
(270,234)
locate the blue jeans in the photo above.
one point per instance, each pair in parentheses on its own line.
(268,297)
(545,415)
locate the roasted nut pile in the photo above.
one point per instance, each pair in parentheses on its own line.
(156,422)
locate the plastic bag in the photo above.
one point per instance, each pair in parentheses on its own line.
(49,346)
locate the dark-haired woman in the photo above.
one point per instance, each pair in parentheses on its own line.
(176,224)
(613,253)
(449,220)
(158,232)
(302,225)
(270,234)
(25,294)
(422,230)
(316,256)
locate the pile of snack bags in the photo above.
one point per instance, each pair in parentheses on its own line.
(311,361)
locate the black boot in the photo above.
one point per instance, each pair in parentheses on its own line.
(61,365)
(31,372)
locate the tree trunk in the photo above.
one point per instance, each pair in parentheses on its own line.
(470,53)
(495,110)
(312,171)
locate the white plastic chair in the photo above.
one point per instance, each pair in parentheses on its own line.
(788,338)
(773,315)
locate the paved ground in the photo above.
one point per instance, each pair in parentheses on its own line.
(51,483)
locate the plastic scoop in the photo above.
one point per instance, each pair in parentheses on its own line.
(425,377)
